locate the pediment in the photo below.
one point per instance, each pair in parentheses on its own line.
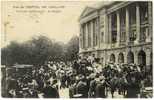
(86,11)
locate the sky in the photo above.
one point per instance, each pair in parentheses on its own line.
(22,20)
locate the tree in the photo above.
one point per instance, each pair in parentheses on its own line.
(38,50)
(72,48)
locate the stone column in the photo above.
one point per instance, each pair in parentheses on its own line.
(83,33)
(125,56)
(136,57)
(96,26)
(106,29)
(150,20)
(138,22)
(83,45)
(89,34)
(118,27)
(86,35)
(81,37)
(127,26)
(110,29)
(92,32)
(98,32)
(148,59)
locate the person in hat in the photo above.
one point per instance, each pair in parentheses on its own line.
(113,84)
(50,92)
(94,77)
(100,87)
(82,87)
(132,89)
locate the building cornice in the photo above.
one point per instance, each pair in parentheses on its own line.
(116,48)
(118,6)
(88,18)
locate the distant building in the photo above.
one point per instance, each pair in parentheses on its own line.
(117,31)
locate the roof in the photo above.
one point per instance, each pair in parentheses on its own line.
(97,6)
(102,4)
(87,10)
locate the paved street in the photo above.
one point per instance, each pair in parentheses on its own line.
(64,93)
(116,95)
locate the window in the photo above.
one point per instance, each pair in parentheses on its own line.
(144,33)
(94,33)
(114,36)
(132,14)
(144,11)
(133,35)
(102,37)
(123,36)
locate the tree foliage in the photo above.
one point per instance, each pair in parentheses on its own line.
(73,48)
(38,50)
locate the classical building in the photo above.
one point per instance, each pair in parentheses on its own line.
(117,31)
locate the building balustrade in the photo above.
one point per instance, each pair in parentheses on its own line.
(122,43)
(113,45)
(142,40)
(130,43)
(114,28)
(144,22)
(133,25)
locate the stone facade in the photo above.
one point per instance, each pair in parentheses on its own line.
(119,32)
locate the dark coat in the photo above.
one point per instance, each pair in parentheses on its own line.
(100,90)
(50,92)
(132,90)
(82,88)
(92,88)
(71,91)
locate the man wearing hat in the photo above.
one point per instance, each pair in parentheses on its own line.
(82,87)
(50,92)
(100,87)
(93,83)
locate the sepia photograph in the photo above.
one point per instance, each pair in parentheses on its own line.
(76,49)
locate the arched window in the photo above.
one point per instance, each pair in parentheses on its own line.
(142,58)
(130,57)
(121,58)
(112,58)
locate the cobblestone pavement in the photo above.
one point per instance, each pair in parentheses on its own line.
(64,93)
(116,95)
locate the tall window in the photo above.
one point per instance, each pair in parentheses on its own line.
(132,14)
(144,33)
(143,11)
(123,36)
(114,37)
(102,37)
(114,28)
(122,25)
(95,32)
(133,35)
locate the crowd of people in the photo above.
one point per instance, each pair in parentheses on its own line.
(83,77)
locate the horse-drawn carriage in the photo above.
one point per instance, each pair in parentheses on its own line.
(12,73)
